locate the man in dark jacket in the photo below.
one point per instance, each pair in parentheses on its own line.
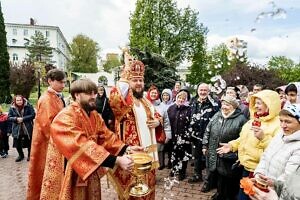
(203,107)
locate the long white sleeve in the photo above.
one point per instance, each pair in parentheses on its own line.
(124,87)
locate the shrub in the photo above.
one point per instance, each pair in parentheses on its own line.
(22,78)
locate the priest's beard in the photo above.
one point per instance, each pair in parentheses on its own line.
(88,106)
(137,95)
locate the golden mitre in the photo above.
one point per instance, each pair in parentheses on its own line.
(132,68)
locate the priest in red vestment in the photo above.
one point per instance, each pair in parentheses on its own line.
(81,148)
(136,123)
(49,105)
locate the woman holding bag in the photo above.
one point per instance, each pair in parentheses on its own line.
(21,115)
(161,108)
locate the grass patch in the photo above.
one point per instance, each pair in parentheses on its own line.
(5,107)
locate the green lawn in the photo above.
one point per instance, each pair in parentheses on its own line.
(34,97)
(5,107)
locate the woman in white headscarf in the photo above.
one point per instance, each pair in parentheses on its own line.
(288,190)
(281,159)
(292,91)
(180,115)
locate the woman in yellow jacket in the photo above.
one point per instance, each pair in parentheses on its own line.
(256,133)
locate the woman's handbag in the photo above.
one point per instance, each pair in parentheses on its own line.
(230,156)
(225,164)
(160,135)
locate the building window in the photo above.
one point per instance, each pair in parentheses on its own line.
(15,57)
(25,32)
(15,32)
(14,41)
(26,41)
(47,33)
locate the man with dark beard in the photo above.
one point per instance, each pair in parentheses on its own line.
(80,147)
(136,123)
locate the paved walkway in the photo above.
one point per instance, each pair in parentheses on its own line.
(13,183)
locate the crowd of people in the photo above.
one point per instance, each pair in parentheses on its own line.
(228,136)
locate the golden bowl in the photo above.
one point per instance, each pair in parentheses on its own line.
(142,162)
(142,165)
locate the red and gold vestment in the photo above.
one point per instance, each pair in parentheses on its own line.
(75,154)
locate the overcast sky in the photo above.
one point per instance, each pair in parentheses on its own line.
(107,22)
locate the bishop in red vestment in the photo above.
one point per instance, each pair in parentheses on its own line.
(136,124)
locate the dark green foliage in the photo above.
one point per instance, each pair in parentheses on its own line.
(158,70)
(250,75)
(5,96)
(22,79)
(39,49)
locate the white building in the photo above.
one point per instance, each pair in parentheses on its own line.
(183,69)
(18,35)
(103,78)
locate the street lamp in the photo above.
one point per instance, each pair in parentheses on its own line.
(39,82)
(39,60)
(117,74)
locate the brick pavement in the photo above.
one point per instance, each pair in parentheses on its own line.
(13,183)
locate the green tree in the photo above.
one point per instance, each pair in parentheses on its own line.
(208,64)
(285,67)
(84,54)
(166,30)
(199,70)
(5,96)
(218,59)
(111,62)
(39,49)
